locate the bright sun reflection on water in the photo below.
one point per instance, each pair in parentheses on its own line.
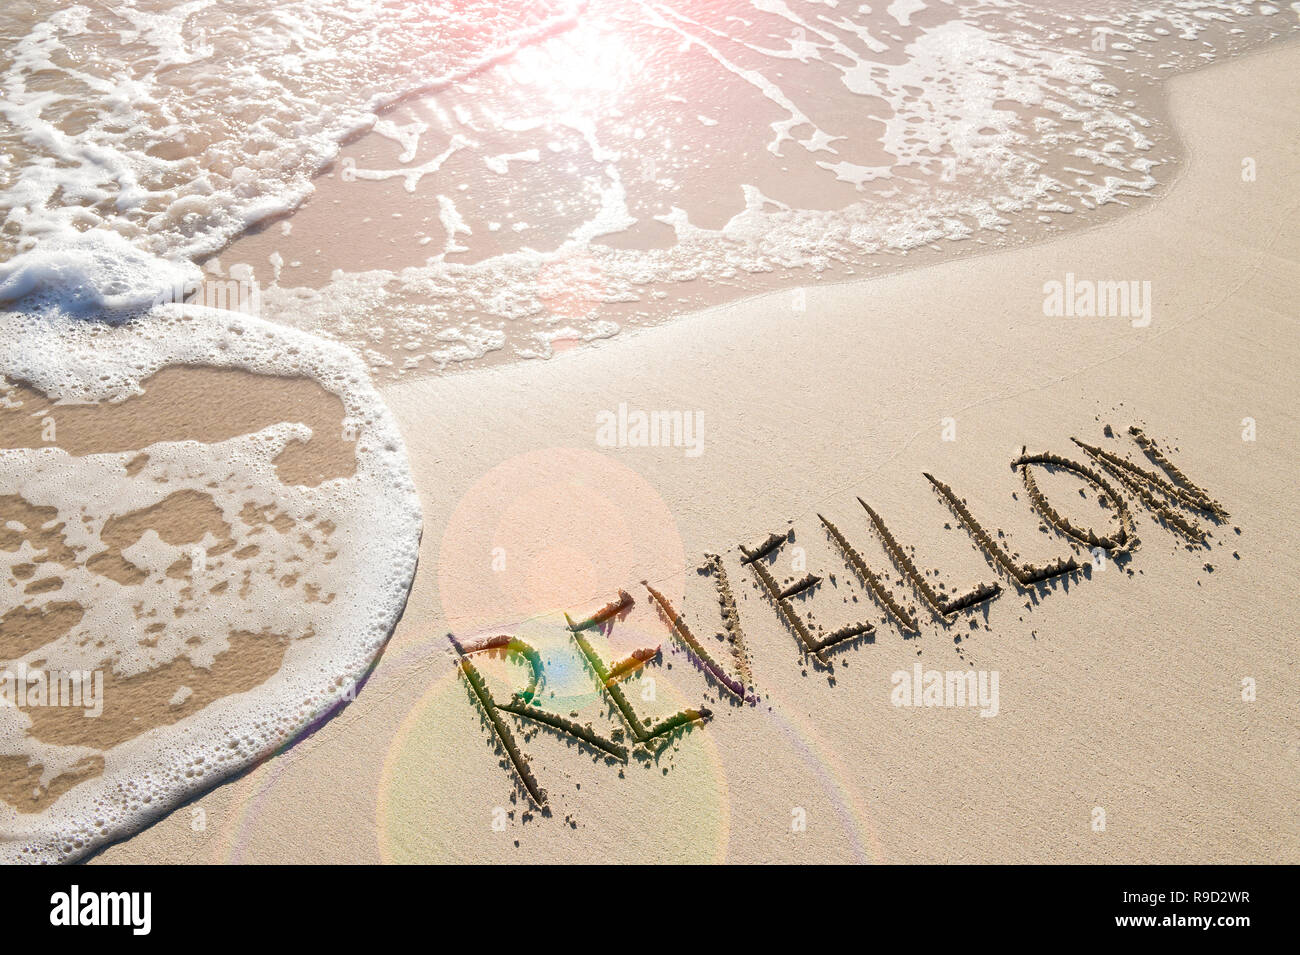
(585,67)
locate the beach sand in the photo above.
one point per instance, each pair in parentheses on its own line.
(1123,732)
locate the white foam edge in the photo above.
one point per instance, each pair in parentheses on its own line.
(152,774)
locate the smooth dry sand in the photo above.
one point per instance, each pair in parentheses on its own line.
(1120,689)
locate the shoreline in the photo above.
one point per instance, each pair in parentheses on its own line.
(1086,721)
(482,338)
(953,250)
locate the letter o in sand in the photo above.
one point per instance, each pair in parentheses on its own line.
(1123,539)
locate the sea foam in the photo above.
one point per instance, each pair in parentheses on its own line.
(317,573)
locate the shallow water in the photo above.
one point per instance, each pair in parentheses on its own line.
(513,177)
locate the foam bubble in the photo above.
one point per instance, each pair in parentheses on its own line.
(93,273)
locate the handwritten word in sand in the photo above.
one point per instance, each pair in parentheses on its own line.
(1165,492)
